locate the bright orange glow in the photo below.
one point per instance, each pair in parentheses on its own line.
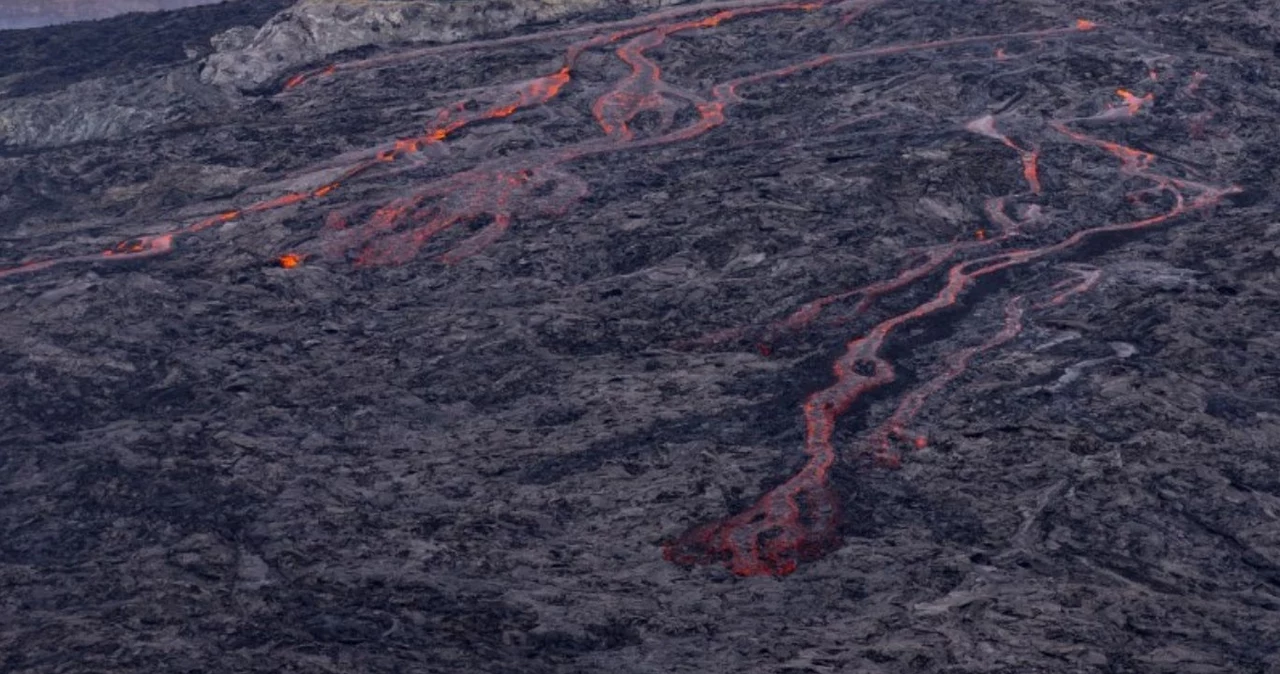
(1132,102)
(278,202)
(799,519)
(1031,168)
(776,532)
(713,21)
(986,126)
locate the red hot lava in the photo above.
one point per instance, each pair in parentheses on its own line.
(798,520)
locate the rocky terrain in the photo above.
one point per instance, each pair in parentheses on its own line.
(741,336)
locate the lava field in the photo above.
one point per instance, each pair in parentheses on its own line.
(727,336)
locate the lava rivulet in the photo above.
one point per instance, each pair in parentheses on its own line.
(641,91)
(395,233)
(781,528)
(799,519)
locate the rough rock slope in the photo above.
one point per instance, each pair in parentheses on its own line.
(315,29)
(890,336)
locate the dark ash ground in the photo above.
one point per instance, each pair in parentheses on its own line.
(210,463)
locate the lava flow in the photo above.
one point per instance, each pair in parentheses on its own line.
(799,519)
(796,520)
(497,191)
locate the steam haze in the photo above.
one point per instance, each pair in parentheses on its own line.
(34,13)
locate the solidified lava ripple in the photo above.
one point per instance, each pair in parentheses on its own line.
(798,520)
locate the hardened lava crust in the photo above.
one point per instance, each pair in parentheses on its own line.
(575,336)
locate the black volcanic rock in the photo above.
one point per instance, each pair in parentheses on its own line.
(431,361)
(316,29)
(107,80)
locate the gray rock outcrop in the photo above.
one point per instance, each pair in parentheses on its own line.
(314,29)
(104,109)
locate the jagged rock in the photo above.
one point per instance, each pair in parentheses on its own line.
(258,450)
(118,79)
(315,29)
(247,59)
(233,39)
(100,109)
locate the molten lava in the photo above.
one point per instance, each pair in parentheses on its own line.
(798,520)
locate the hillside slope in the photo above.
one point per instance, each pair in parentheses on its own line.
(746,336)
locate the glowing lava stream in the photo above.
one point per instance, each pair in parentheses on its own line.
(499,198)
(798,520)
(534,184)
(623,28)
(501,189)
(450,120)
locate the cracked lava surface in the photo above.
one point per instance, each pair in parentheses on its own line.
(1031,190)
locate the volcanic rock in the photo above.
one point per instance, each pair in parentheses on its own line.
(315,29)
(745,336)
(117,81)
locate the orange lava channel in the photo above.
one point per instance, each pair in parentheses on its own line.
(800,519)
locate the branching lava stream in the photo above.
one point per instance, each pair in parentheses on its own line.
(798,520)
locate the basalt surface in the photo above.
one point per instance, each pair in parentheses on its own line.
(758,336)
